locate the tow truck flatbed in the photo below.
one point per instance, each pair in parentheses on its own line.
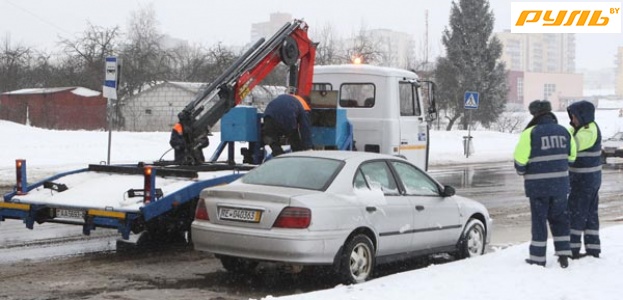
(113,196)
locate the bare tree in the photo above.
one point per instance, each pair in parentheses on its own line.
(364,46)
(145,62)
(328,51)
(220,57)
(43,72)
(14,65)
(188,63)
(89,52)
(511,120)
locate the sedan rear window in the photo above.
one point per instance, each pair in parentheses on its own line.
(310,173)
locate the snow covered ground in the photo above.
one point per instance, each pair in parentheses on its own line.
(501,274)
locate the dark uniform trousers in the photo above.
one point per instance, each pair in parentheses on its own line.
(274,133)
(584,204)
(554,211)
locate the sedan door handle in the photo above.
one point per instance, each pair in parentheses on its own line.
(370,208)
(419,207)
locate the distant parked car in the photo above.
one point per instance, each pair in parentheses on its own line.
(612,147)
(350,210)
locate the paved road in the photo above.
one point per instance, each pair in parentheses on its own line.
(57,262)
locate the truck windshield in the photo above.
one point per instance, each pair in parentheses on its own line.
(310,173)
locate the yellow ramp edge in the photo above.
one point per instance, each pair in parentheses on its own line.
(106,213)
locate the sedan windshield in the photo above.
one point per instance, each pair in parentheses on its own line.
(618,136)
(310,173)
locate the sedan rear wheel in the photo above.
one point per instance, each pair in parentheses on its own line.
(473,239)
(357,260)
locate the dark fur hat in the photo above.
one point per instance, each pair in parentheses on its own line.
(539,107)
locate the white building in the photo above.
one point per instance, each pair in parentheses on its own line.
(267,29)
(397,47)
(156,108)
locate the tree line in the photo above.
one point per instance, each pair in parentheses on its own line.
(471,60)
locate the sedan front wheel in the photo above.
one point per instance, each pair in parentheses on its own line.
(473,240)
(357,260)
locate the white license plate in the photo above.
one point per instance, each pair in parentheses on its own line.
(237,214)
(70,214)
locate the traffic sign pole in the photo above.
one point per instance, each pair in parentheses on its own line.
(471,101)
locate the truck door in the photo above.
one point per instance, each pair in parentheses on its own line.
(413,126)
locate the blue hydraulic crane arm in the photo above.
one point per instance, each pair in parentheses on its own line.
(236,82)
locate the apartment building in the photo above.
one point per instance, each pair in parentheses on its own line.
(538,52)
(542,66)
(268,28)
(619,73)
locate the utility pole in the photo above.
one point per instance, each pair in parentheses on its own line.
(426,36)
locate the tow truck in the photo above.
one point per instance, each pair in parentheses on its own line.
(354,107)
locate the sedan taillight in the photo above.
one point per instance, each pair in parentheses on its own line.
(293,217)
(201,212)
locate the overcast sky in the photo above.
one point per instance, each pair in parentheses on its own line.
(39,23)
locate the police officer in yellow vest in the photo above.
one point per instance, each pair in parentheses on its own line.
(542,157)
(585,176)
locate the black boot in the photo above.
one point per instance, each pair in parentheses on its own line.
(532,262)
(563,260)
(578,255)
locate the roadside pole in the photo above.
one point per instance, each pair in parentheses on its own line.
(469,136)
(112,73)
(109,113)
(471,101)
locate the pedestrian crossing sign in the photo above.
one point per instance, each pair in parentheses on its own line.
(471,100)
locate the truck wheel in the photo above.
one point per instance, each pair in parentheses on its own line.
(473,239)
(357,260)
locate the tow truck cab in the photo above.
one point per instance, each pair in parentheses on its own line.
(385,107)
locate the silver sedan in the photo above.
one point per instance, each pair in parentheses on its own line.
(350,210)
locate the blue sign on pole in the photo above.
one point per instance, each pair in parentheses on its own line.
(471,100)
(111,72)
(111,78)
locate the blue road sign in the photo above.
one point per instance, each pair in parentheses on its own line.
(471,100)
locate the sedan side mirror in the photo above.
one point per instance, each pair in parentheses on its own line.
(448,191)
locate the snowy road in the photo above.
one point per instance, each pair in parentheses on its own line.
(56,261)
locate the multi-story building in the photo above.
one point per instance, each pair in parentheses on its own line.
(267,29)
(538,52)
(397,47)
(619,73)
(542,66)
